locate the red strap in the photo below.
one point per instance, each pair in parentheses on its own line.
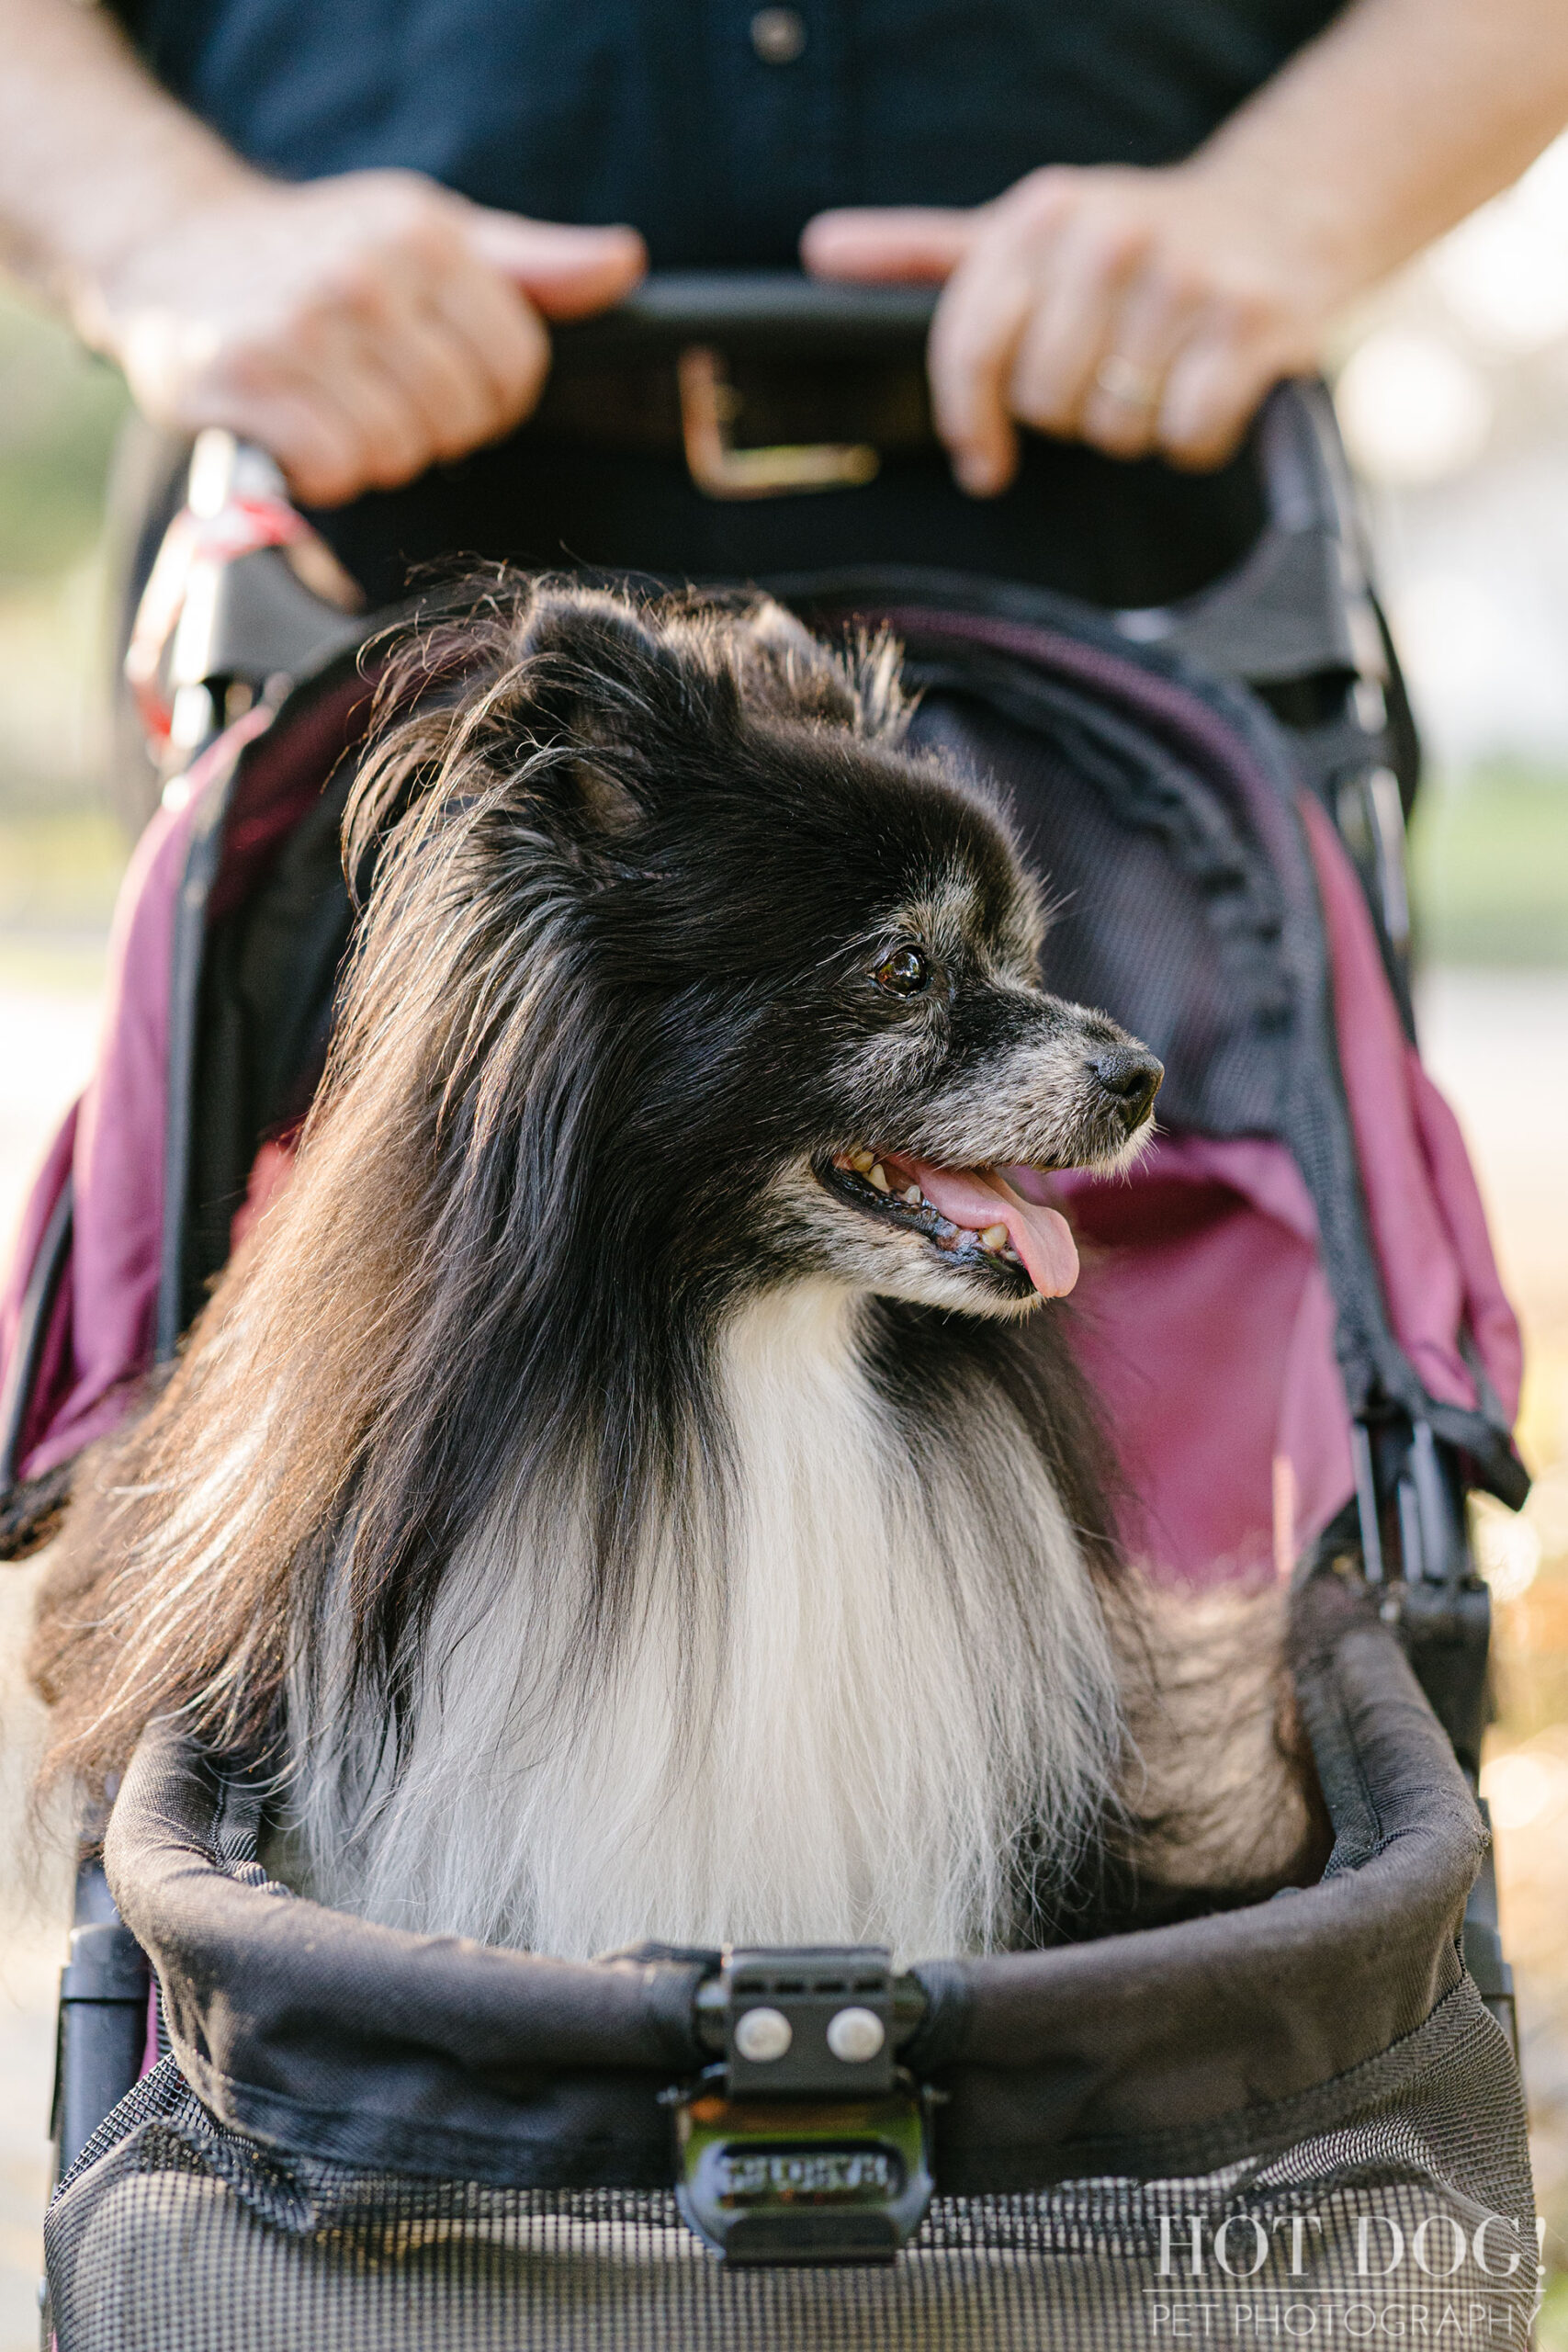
(239,529)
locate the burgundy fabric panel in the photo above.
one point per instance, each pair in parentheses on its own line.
(52,1369)
(149,2047)
(117,1160)
(118,1157)
(1203,1321)
(103,1331)
(1493,1322)
(281,781)
(1426,1224)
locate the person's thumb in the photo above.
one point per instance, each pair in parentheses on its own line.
(568,272)
(904,244)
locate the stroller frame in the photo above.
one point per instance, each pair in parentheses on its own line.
(1296,622)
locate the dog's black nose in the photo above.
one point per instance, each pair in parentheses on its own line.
(1131,1075)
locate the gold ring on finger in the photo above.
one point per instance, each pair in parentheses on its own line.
(1123,380)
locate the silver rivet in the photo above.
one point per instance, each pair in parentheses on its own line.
(855,2035)
(778,35)
(763,2035)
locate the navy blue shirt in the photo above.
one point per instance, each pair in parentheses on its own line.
(681,118)
(663,114)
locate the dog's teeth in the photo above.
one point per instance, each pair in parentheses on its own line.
(878,1175)
(993,1236)
(861,1161)
(913,1198)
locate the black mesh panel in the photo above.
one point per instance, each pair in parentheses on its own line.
(183,2235)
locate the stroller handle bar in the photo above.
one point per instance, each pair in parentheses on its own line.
(775,306)
(1296,605)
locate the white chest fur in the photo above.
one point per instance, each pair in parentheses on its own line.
(845,1696)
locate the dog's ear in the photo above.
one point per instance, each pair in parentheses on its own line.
(785,671)
(595,671)
(537,692)
(585,706)
(609,701)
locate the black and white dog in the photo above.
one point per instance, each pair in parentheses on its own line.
(630,1482)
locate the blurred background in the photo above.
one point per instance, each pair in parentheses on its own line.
(1452,388)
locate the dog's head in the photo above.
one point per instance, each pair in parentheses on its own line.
(741,988)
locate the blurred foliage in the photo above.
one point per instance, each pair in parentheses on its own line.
(59,413)
(1489,866)
(1551,2327)
(60,410)
(59,869)
(54,691)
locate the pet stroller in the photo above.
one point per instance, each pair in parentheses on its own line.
(1293,2117)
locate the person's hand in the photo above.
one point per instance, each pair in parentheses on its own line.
(358,328)
(1137,310)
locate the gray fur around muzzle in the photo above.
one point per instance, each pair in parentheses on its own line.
(1059,1088)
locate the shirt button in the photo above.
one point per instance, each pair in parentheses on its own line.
(778,35)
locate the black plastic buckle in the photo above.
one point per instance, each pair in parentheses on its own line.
(808,2144)
(1410,1501)
(101,2030)
(1416,1547)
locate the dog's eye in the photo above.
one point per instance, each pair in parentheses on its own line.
(904,973)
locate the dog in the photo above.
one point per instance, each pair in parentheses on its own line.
(634,1484)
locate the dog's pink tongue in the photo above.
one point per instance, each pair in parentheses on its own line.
(977,1198)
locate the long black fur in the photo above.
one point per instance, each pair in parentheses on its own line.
(612,976)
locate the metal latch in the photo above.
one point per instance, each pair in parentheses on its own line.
(709,404)
(808,2144)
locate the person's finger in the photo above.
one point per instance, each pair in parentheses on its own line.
(508,340)
(1080,277)
(361,337)
(894,244)
(337,359)
(1213,390)
(975,336)
(391,318)
(568,272)
(1146,328)
(500,325)
(312,439)
(465,342)
(443,379)
(396,438)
